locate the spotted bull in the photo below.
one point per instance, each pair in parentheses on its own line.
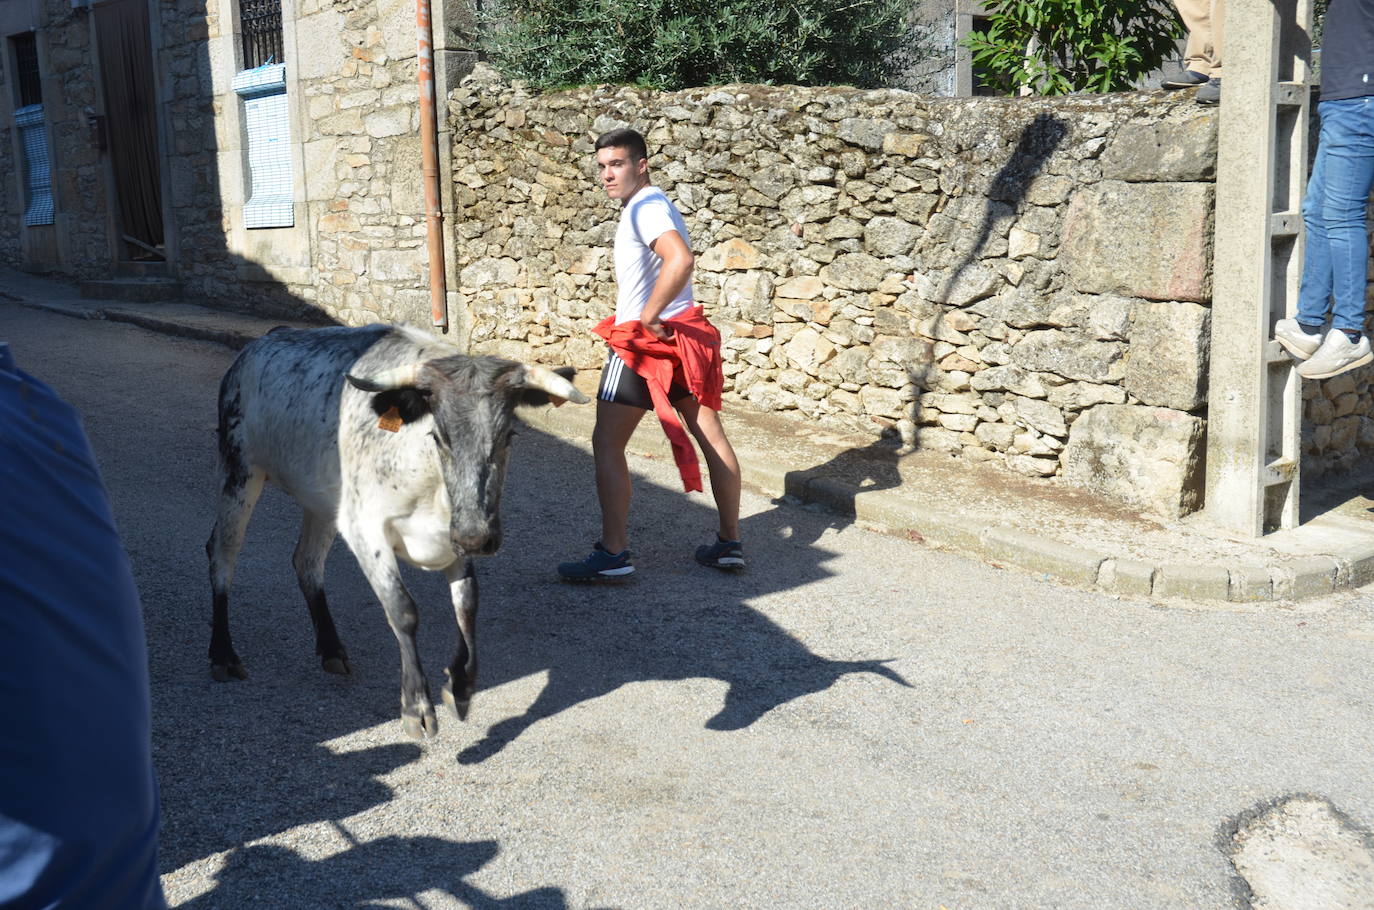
(395,440)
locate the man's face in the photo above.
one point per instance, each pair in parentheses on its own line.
(621,175)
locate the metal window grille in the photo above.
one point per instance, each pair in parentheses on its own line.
(26,68)
(260,24)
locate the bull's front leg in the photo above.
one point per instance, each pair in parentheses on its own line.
(462,673)
(379,565)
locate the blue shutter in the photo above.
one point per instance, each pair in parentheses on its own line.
(267,122)
(38,204)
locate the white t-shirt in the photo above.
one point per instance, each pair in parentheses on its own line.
(647,216)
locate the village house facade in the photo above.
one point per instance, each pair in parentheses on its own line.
(257,153)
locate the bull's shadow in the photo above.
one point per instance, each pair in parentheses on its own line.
(674,621)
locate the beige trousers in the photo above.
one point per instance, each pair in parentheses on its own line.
(1204,19)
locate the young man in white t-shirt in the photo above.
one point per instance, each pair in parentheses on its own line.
(653,269)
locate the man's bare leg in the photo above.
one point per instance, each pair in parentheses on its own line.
(706,427)
(615,423)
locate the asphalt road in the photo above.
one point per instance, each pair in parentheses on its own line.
(858,721)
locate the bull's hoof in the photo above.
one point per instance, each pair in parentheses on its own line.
(458,707)
(225,672)
(425,726)
(337,665)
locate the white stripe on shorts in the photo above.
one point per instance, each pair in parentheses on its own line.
(610,380)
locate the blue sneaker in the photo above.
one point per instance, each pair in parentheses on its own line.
(599,566)
(723,554)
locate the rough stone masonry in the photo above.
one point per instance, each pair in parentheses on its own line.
(1017,280)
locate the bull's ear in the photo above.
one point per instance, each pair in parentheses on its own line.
(544,386)
(395,378)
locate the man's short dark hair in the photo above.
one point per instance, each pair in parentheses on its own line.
(629,140)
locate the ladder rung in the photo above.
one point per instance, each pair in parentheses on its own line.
(1275,354)
(1278,471)
(1290,94)
(1284,224)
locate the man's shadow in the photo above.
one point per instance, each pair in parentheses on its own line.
(677,621)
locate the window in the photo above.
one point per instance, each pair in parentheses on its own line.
(981,84)
(267,126)
(260,25)
(26,69)
(33,132)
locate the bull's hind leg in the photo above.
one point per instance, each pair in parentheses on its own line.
(311,551)
(379,565)
(462,674)
(240,493)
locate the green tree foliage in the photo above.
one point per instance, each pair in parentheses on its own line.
(671,44)
(1054,47)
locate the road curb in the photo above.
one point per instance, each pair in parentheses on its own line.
(1290,578)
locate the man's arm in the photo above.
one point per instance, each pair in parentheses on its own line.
(673,276)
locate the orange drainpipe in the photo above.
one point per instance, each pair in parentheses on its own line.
(429,156)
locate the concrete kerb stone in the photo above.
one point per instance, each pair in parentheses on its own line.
(1036,554)
(1127,576)
(1193,582)
(1313,576)
(898,514)
(1252,584)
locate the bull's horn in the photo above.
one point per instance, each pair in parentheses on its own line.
(394,378)
(546,380)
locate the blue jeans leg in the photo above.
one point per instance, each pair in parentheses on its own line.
(1337,243)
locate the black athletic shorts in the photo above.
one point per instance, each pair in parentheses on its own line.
(622,385)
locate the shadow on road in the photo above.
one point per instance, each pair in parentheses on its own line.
(674,621)
(246,761)
(387,869)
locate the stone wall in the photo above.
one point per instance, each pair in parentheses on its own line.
(1020,281)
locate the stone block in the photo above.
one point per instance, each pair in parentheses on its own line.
(733,254)
(1075,396)
(1193,582)
(884,402)
(1174,149)
(1070,355)
(393,121)
(801,287)
(1021,244)
(808,349)
(867,133)
(1150,240)
(1040,415)
(751,294)
(998,436)
(910,352)
(1168,363)
(1145,456)
(967,285)
(1049,189)
(856,272)
(888,236)
(909,144)
(1033,466)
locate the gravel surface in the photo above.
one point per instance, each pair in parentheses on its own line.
(857,721)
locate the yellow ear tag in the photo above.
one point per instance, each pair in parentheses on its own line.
(391,420)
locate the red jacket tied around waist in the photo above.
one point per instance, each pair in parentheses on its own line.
(692,355)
